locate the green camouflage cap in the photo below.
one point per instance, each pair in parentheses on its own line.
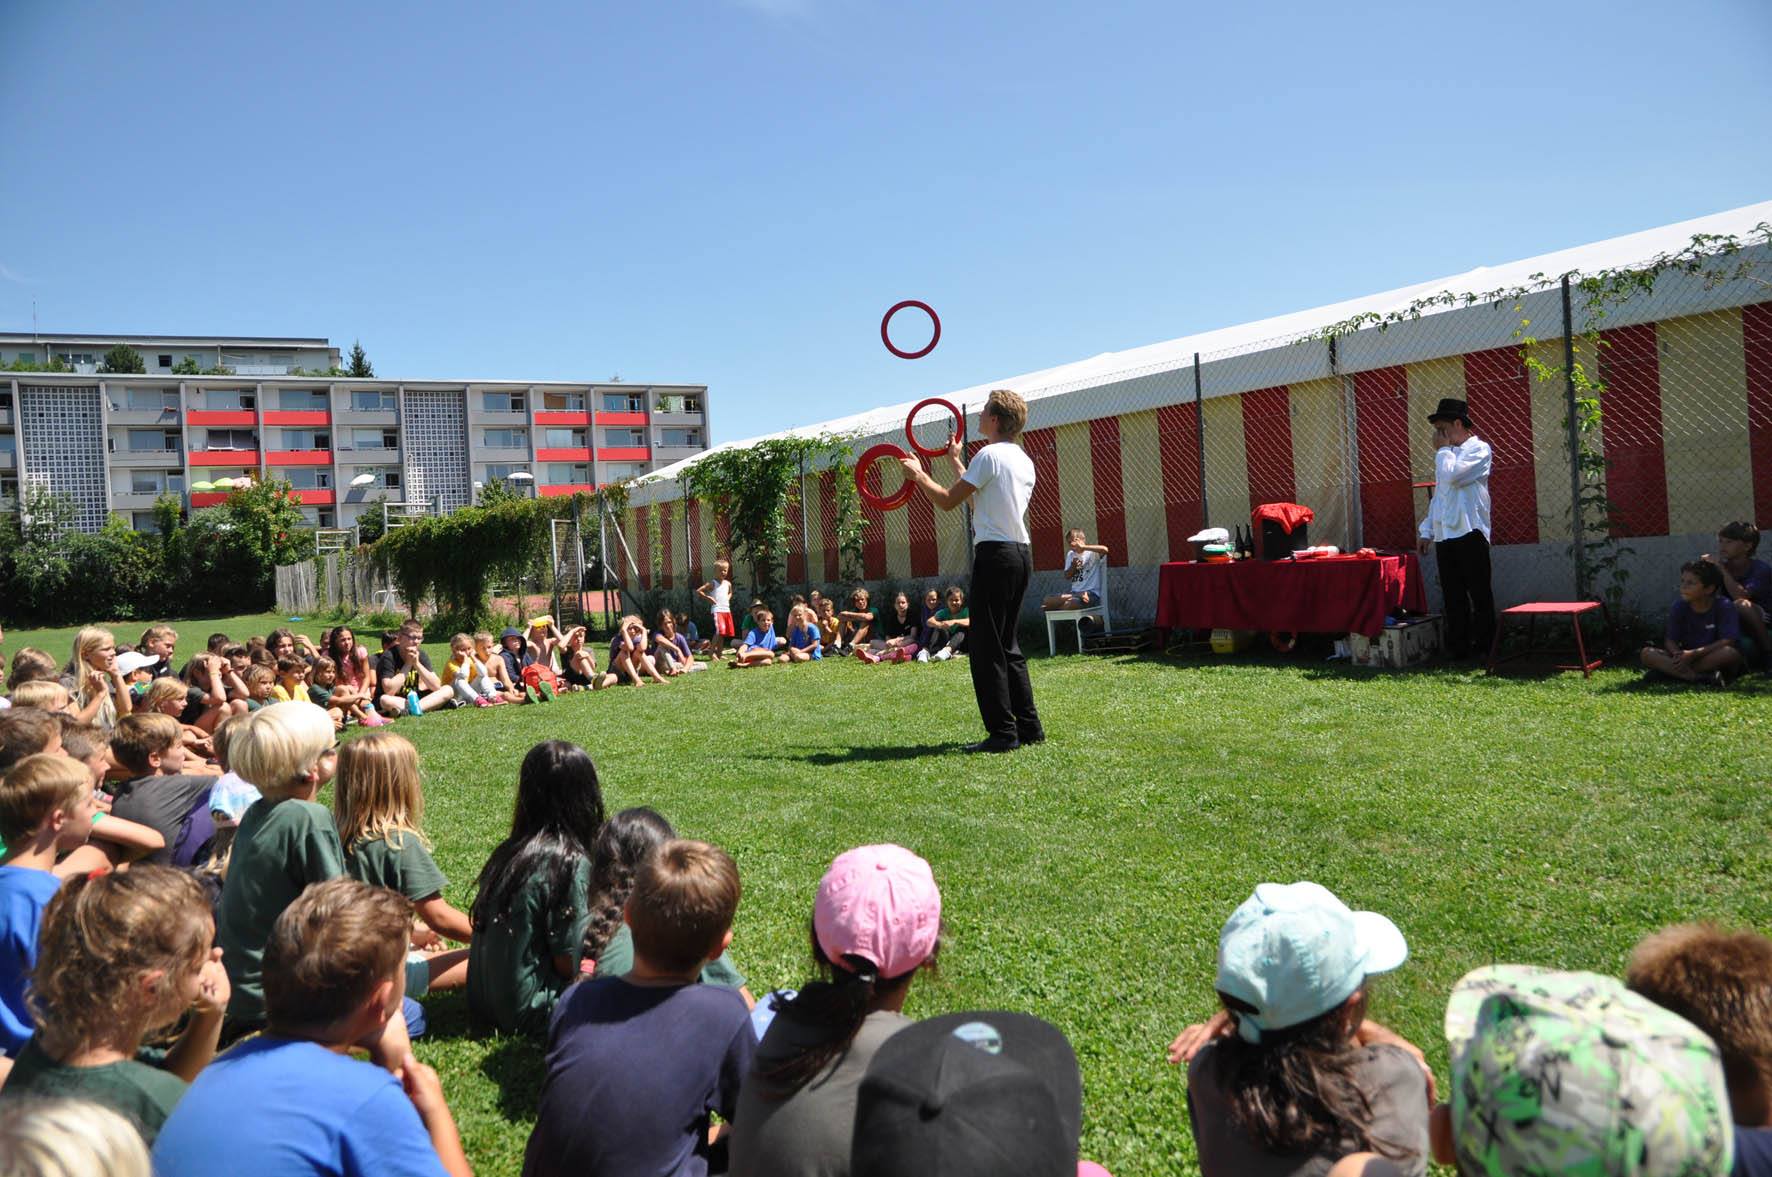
(1573,1074)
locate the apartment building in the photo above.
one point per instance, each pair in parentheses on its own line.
(115,443)
(161,354)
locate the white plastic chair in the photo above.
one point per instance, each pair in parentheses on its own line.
(1075,616)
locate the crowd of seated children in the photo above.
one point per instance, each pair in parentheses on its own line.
(160,788)
(1702,642)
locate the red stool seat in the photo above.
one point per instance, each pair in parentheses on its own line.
(1532,611)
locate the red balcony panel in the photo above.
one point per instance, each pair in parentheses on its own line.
(236,418)
(563,490)
(298,458)
(208,498)
(298,417)
(567,455)
(565,418)
(625,453)
(621,418)
(314,498)
(236,458)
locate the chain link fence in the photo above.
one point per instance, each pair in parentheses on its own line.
(1630,415)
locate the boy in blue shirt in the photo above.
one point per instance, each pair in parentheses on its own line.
(1703,640)
(292,1102)
(758,648)
(636,1063)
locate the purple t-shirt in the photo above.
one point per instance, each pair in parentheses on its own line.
(1689,629)
(1756,583)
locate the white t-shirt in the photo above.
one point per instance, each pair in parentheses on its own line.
(722,594)
(1003,476)
(1087,575)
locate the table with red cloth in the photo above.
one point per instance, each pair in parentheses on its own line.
(1328,594)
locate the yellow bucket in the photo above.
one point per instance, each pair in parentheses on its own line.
(1231,641)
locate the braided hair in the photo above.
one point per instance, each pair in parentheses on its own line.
(624,843)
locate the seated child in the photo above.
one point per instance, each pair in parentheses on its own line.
(860,619)
(805,640)
(532,900)
(876,923)
(292,680)
(519,655)
(1746,581)
(895,636)
(405,678)
(379,803)
(988,1093)
(673,646)
(228,801)
(628,657)
(44,694)
(170,697)
(123,954)
(293,1100)
(46,809)
(159,793)
(1573,1073)
(686,626)
(135,667)
(578,662)
(627,841)
(758,646)
(341,702)
(947,626)
(261,684)
(468,677)
(28,731)
(70,1138)
(29,664)
(1703,631)
(239,660)
(831,627)
(926,611)
(1292,1076)
(285,842)
(209,686)
(498,675)
(1721,982)
(1085,567)
(635,1064)
(115,840)
(159,642)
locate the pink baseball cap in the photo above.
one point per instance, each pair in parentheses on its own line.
(879,903)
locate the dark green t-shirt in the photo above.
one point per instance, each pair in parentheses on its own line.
(141,1094)
(617,960)
(407,868)
(942,614)
(512,984)
(282,847)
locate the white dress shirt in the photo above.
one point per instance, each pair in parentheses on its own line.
(1461,491)
(1004,477)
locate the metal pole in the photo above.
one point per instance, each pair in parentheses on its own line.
(689,569)
(805,526)
(603,558)
(1200,437)
(1578,537)
(968,504)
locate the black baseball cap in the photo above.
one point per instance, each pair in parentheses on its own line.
(977,1094)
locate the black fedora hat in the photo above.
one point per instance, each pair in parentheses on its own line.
(1451,410)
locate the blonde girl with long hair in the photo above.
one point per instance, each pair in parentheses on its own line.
(122,955)
(92,678)
(378,799)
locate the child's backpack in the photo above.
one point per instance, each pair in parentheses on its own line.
(535,674)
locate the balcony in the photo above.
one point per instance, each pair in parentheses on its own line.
(560,418)
(576,454)
(137,500)
(298,457)
(124,415)
(297,417)
(236,458)
(8,460)
(604,418)
(561,490)
(136,459)
(690,419)
(624,453)
(666,454)
(232,418)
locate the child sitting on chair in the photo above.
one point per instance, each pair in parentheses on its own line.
(1703,631)
(1085,566)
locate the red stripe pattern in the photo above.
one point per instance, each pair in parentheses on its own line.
(1387,501)
(1178,453)
(1110,493)
(1045,515)
(1630,426)
(1756,332)
(1267,446)
(1498,389)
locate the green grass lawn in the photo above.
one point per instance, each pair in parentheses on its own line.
(1549,820)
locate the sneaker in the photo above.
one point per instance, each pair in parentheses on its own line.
(412,707)
(867,656)
(1718,681)
(373,720)
(530,695)
(482,701)
(993,745)
(547,693)
(922,655)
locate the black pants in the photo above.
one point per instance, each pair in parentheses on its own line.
(1470,602)
(1000,574)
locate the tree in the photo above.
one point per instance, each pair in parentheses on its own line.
(360,365)
(123,359)
(187,367)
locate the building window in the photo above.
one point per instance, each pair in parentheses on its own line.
(305,477)
(153,441)
(500,471)
(375,439)
(9,489)
(8,443)
(230,439)
(678,402)
(228,400)
(153,482)
(144,522)
(306,439)
(506,439)
(561,439)
(679,437)
(563,402)
(567,474)
(326,518)
(502,402)
(625,437)
(372,400)
(621,402)
(164,360)
(615,471)
(386,477)
(151,399)
(299,400)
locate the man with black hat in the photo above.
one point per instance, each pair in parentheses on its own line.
(1457,524)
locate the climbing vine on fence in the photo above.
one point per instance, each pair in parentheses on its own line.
(453,559)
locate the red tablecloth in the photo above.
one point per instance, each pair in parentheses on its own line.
(1333,594)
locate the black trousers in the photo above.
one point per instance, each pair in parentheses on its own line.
(1000,574)
(1470,601)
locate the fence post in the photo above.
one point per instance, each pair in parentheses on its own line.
(805,526)
(1356,518)
(1578,534)
(1200,439)
(690,573)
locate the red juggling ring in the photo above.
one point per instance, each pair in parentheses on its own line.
(959,434)
(882,502)
(886,337)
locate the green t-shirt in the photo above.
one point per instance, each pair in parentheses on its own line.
(282,846)
(617,960)
(407,868)
(512,984)
(942,614)
(141,1094)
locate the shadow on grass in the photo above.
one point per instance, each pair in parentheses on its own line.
(894,752)
(515,1065)
(1754,684)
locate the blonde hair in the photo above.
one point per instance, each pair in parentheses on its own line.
(222,737)
(85,642)
(69,1138)
(41,692)
(37,787)
(278,745)
(163,690)
(29,664)
(461,639)
(100,933)
(377,793)
(159,631)
(1010,410)
(258,673)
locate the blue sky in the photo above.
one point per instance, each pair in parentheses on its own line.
(734,191)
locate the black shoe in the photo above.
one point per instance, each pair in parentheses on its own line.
(1038,737)
(994,744)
